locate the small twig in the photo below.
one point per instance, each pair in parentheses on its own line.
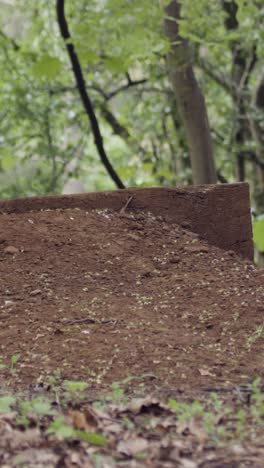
(87,320)
(129,200)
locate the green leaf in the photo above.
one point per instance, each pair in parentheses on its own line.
(8,160)
(162,47)
(116,64)
(258,234)
(41,407)
(72,386)
(88,57)
(61,429)
(46,67)
(126,172)
(93,439)
(5,404)
(14,359)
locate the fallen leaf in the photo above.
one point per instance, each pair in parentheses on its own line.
(37,457)
(206,372)
(146,405)
(35,292)
(186,463)
(84,421)
(15,440)
(132,446)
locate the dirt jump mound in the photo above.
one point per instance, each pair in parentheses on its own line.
(157,284)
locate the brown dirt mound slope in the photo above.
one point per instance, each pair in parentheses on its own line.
(102,296)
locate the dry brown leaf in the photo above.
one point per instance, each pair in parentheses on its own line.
(186,463)
(196,428)
(163,425)
(92,416)
(78,420)
(206,372)
(16,440)
(36,458)
(137,405)
(132,446)
(114,428)
(84,421)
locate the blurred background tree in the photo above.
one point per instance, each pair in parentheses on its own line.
(45,138)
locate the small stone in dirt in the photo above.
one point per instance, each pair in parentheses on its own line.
(11,250)
(231,253)
(137,226)
(196,249)
(162,266)
(175,259)
(192,235)
(186,225)
(134,236)
(35,292)
(132,446)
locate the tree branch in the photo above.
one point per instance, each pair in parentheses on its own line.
(126,86)
(252,156)
(219,79)
(117,128)
(98,139)
(9,39)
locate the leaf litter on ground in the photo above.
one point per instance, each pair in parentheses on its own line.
(145,431)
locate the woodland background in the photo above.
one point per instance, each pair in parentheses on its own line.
(46,142)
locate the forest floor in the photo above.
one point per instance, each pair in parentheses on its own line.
(166,332)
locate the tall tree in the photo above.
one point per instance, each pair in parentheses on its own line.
(190,99)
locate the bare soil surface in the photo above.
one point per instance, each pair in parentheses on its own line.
(103,296)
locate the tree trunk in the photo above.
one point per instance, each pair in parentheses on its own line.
(190,100)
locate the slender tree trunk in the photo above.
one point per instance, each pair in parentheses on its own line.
(190,100)
(87,103)
(258,135)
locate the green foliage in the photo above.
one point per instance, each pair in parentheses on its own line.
(214,417)
(14,359)
(94,439)
(258,233)
(256,335)
(72,386)
(257,408)
(5,404)
(186,412)
(213,421)
(46,68)
(2,366)
(60,429)
(39,406)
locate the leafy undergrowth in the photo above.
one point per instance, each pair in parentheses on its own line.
(61,424)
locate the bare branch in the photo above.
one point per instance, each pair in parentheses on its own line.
(126,86)
(98,139)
